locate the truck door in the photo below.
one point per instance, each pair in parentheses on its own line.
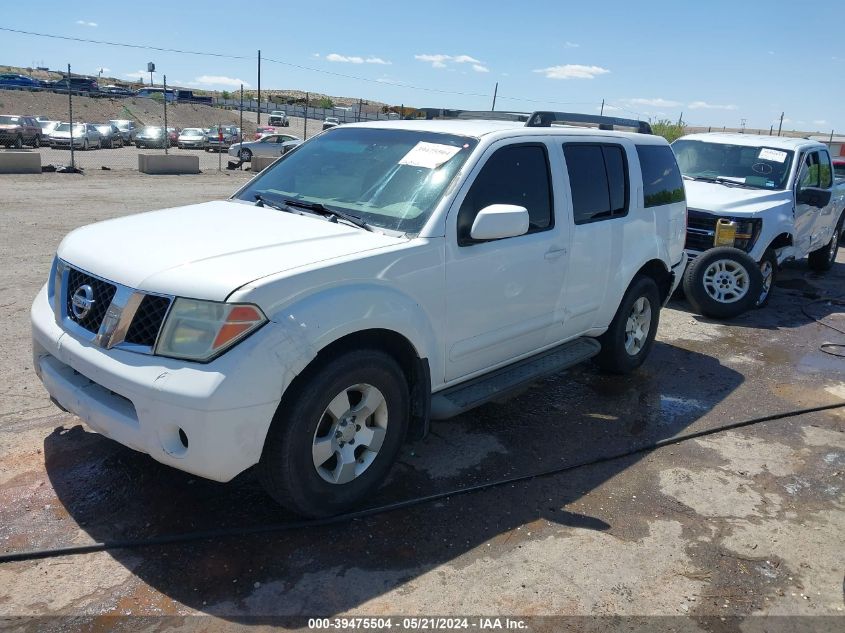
(502,295)
(813,225)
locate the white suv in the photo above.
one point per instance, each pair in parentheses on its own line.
(376,277)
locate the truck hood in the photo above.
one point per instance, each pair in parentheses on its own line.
(205,251)
(727,200)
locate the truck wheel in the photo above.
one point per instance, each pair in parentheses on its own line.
(768,270)
(723,282)
(822,259)
(331,445)
(630,336)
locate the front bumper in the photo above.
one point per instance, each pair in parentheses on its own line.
(223,408)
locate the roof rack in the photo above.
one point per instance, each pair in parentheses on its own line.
(493,115)
(543,118)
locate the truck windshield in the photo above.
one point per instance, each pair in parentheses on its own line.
(391,179)
(758,167)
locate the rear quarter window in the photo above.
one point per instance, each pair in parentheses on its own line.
(662,182)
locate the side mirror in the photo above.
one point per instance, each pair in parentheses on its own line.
(814,197)
(499,221)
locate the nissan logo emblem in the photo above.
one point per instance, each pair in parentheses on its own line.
(82,301)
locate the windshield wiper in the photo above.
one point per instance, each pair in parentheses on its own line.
(264,201)
(722,180)
(337,214)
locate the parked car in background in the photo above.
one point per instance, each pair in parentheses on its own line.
(14,81)
(46,126)
(330,122)
(754,202)
(264,130)
(218,142)
(173,134)
(77,85)
(84,136)
(152,136)
(278,118)
(191,138)
(111,136)
(117,91)
(127,129)
(269,145)
(17,131)
(839,167)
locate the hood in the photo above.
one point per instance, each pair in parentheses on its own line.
(66,133)
(722,199)
(205,251)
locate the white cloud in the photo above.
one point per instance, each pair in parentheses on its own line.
(608,108)
(440,60)
(657,103)
(820,122)
(771,52)
(355,59)
(315,55)
(137,74)
(103,69)
(93,25)
(703,105)
(571,45)
(572,71)
(219,80)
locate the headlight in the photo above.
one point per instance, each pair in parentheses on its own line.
(201,330)
(741,233)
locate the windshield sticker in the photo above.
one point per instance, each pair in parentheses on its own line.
(772,154)
(429,155)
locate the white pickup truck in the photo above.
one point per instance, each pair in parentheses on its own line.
(376,277)
(754,203)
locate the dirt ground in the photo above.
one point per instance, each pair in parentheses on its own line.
(705,535)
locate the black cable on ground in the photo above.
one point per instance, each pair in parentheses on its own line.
(204,535)
(827,348)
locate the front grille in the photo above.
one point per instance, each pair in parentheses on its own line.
(701,230)
(103,293)
(148,319)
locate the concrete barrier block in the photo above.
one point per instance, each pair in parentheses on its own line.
(259,163)
(20,162)
(160,164)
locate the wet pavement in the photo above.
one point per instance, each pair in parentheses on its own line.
(743,522)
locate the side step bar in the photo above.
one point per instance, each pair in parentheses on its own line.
(455,400)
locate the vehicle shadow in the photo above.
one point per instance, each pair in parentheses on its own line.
(798,292)
(112,493)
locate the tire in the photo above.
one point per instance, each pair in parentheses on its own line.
(245,155)
(36,142)
(288,467)
(768,272)
(822,260)
(723,282)
(18,142)
(630,337)
(85,145)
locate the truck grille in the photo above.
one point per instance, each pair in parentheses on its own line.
(103,293)
(148,319)
(701,230)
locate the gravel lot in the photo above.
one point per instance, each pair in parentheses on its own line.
(736,524)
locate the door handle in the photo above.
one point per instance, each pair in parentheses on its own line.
(554,253)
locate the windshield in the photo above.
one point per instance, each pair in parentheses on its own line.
(192,131)
(389,178)
(758,167)
(151,130)
(65,127)
(121,125)
(9,120)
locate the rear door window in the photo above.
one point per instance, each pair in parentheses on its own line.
(662,182)
(598,178)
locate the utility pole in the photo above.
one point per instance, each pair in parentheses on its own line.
(495,92)
(742,126)
(166,135)
(360,107)
(771,129)
(681,119)
(259,88)
(241,150)
(70,114)
(305,130)
(601,113)
(780,125)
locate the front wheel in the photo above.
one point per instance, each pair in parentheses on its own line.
(18,142)
(334,439)
(36,143)
(630,337)
(245,155)
(723,282)
(85,145)
(768,270)
(823,259)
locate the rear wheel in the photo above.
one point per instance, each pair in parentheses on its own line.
(332,443)
(245,155)
(85,145)
(630,337)
(36,142)
(823,259)
(723,282)
(18,142)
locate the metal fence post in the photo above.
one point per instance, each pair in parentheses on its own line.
(305,120)
(166,135)
(70,115)
(219,146)
(241,150)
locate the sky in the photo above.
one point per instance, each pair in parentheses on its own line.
(716,63)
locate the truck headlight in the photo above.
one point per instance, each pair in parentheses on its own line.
(741,233)
(200,330)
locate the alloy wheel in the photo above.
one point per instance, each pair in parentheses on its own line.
(637,326)
(726,281)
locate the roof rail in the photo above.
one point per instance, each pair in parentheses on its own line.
(543,118)
(493,115)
